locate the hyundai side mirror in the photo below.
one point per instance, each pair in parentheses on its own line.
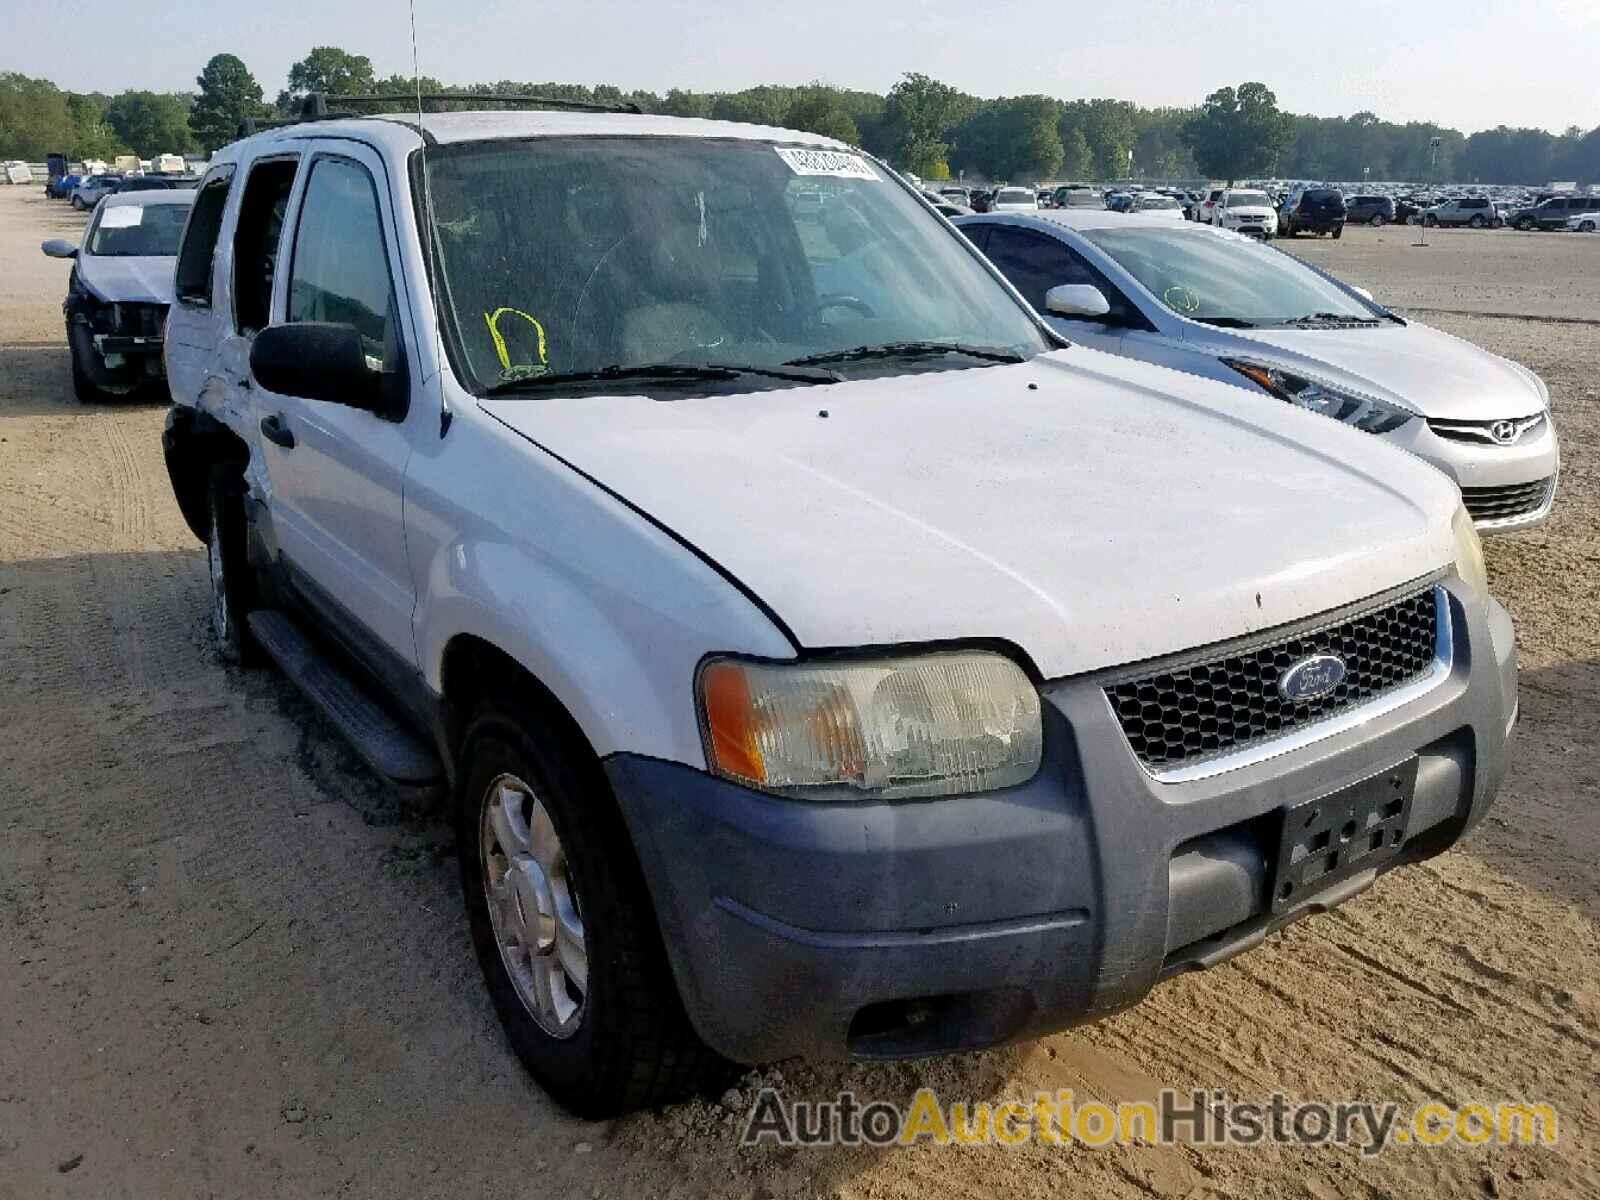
(1076,300)
(59,248)
(319,361)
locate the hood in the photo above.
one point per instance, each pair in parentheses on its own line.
(119,279)
(1072,506)
(1422,368)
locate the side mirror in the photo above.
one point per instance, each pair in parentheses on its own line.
(59,248)
(1076,300)
(318,361)
(1362,292)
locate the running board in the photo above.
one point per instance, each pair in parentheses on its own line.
(387,746)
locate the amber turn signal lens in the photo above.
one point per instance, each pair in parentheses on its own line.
(730,722)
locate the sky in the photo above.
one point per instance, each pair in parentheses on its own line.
(1467,64)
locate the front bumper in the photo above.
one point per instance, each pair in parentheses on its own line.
(881,930)
(1482,467)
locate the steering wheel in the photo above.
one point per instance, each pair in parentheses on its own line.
(1181,299)
(840,300)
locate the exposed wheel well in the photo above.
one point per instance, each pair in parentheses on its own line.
(193,443)
(475,670)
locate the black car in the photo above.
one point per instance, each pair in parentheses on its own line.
(154,183)
(1553,213)
(1370,210)
(1407,210)
(1317,210)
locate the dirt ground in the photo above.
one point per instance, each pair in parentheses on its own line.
(232,966)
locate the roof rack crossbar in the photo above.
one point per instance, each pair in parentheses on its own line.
(314,106)
(473,98)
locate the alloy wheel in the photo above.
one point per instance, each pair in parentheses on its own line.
(533,908)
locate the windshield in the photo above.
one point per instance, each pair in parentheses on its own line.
(138,230)
(1207,276)
(556,259)
(1248,200)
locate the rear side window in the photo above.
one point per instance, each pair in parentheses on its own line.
(193,283)
(257,239)
(340,269)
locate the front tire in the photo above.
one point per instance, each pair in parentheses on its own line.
(1476,222)
(1379,220)
(77,203)
(83,385)
(1430,221)
(563,926)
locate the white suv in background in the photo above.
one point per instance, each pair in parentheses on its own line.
(1248,211)
(823,657)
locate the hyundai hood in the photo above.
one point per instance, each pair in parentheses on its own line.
(1423,369)
(1092,511)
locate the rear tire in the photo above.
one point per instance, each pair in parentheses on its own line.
(1586,226)
(1476,222)
(1338,232)
(1430,221)
(233,583)
(624,1041)
(1525,225)
(1379,220)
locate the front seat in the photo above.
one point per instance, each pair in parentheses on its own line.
(682,288)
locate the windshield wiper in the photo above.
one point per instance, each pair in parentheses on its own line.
(660,372)
(1227,322)
(909,350)
(1331,318)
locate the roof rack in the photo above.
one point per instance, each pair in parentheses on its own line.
(314,106)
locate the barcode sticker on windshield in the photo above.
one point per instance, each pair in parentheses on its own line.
(827,162)
(122,216)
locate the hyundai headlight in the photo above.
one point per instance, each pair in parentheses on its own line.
(937,724)
(1469,553)
(1353,408)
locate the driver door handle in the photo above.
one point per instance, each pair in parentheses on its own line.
(276,432)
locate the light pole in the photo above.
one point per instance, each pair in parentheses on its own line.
(1433,169)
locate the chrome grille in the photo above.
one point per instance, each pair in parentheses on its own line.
(1505,503)
(1205,709)
(1495,433)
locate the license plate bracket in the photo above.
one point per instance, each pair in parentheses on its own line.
(1343,833)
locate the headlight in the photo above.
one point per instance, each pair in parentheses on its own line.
(934,725)
(1353,408)
(1469,553)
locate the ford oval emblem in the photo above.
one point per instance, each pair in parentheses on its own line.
(1311,678)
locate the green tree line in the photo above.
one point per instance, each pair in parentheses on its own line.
(921,124)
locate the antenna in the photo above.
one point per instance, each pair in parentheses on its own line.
(427,234)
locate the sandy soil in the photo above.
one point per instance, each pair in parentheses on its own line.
(232,966)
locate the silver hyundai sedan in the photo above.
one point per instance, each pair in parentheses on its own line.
(1228,307)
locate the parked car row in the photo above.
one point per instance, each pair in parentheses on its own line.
(84,191)
(906,657)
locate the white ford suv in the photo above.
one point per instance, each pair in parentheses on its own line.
(822,657)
